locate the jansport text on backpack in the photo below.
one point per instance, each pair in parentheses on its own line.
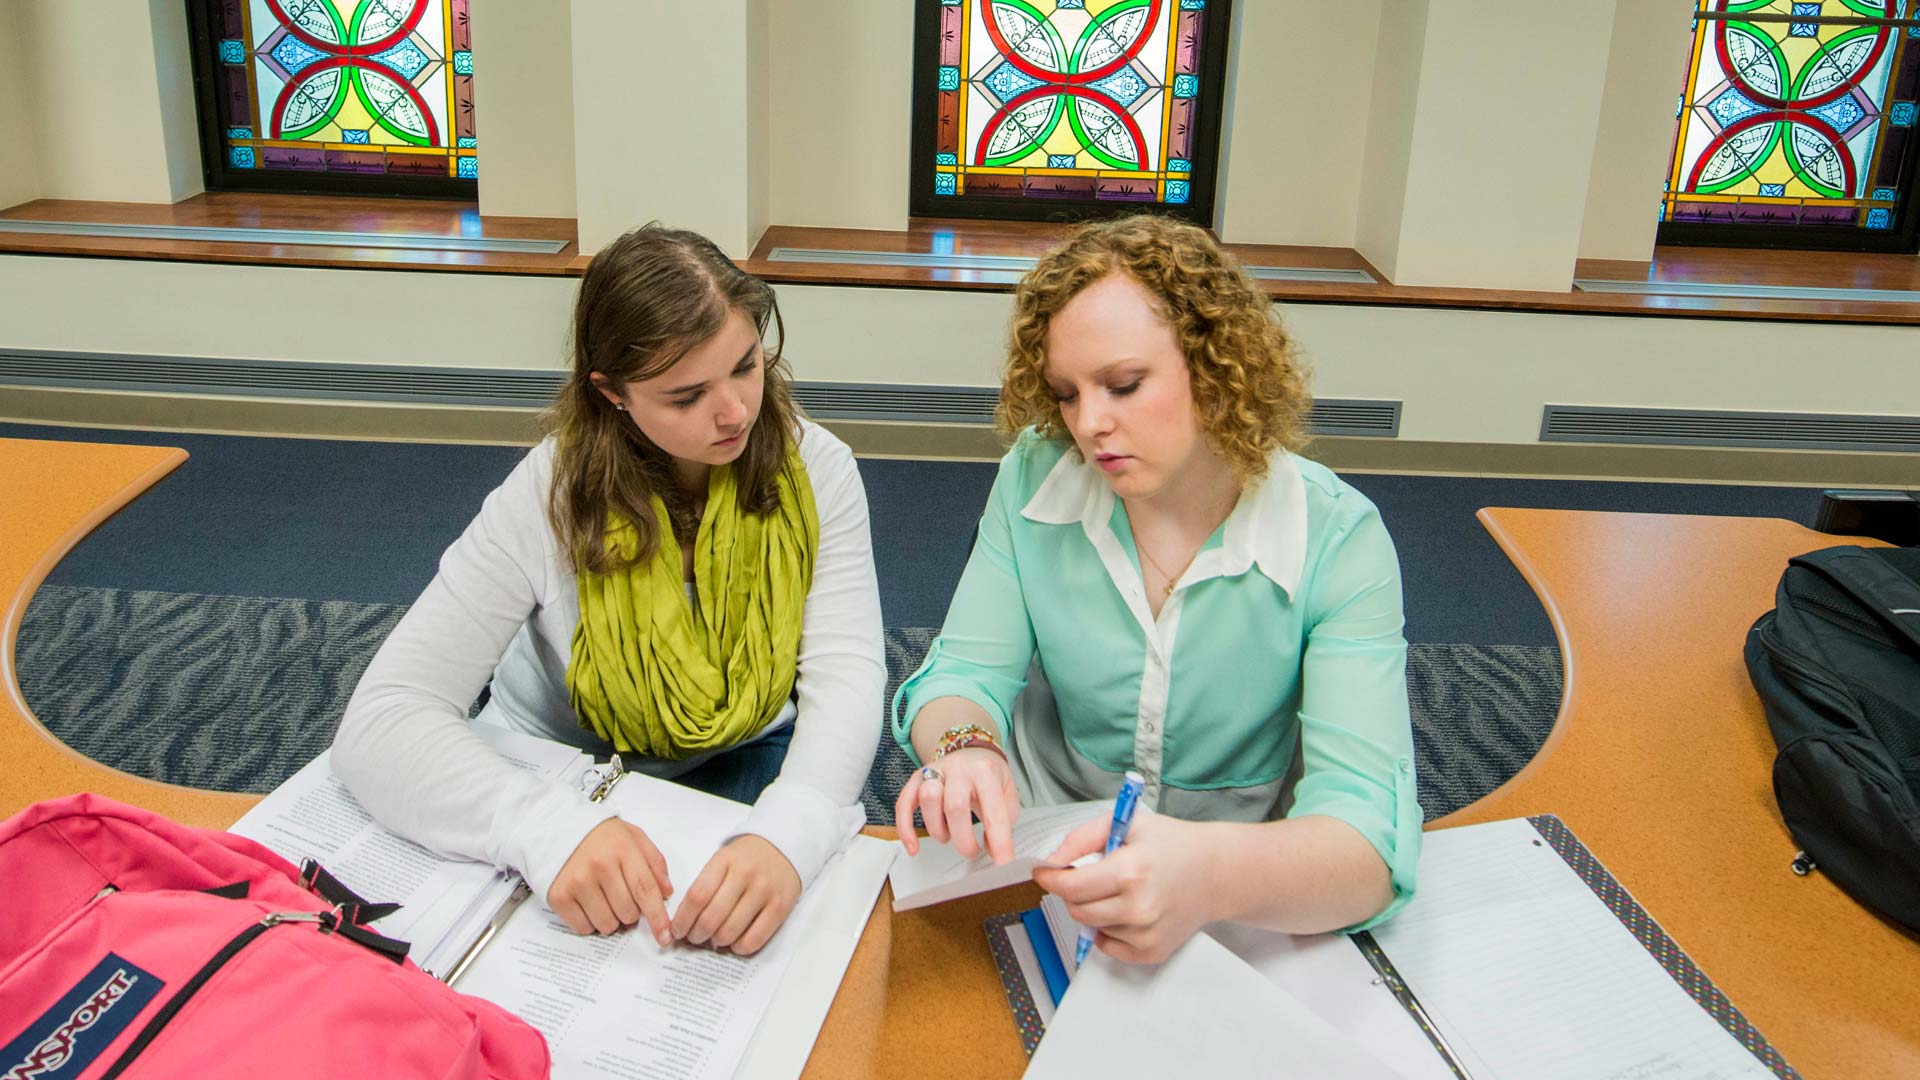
(135,945)
(1837,666)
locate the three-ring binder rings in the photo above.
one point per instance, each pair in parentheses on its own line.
(598,783)
(1520,956)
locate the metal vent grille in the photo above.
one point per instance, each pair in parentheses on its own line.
(276,378)
(1703,427)
(533,389)
(896,401)
(1337,416)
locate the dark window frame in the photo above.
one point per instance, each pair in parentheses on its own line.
(218,175)
(1202,181)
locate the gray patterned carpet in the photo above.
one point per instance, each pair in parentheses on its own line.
(235,693)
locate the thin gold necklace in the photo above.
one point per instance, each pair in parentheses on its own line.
(1166,590)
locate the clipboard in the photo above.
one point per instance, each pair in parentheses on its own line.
(1008,935)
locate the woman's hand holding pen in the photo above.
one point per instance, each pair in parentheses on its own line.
(1147,898)
(613,879)
(961,785)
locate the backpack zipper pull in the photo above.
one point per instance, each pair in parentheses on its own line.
(326,919)
(1803,864)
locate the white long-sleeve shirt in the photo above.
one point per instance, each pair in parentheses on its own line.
(504,606)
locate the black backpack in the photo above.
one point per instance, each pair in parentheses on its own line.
(1837,665)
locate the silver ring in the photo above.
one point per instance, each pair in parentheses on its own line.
(929,774)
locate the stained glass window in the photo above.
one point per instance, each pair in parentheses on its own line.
(1797,125)
(1065,108)
(372,95)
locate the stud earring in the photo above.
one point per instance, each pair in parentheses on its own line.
(619,406)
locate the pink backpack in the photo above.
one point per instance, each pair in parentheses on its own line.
(133,945)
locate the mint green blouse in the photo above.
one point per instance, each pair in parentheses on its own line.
(1272,684)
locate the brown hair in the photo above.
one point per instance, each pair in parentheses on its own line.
(646,300)
(1249,388)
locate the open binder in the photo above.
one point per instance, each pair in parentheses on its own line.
(606,997)
(1470,1040)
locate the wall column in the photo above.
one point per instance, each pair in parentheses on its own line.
(670,118)
(1480,141)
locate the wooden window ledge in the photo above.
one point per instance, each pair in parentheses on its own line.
(394,234)
(439,235)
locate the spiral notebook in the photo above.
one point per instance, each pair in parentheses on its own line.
(1521,956)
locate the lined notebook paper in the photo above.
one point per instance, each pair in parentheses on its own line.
(1530,975)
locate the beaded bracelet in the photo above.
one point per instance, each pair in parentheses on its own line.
(965,736)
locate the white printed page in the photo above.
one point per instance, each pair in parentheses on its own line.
(1203,1013)
(1528,974)
(620,1005)
(687,826)
(313,815)
(623,1006)
(938,873)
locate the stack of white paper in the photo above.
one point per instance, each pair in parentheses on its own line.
(938,873)
(1202,1013)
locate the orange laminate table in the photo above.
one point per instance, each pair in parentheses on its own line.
(1661,763)
(51,495)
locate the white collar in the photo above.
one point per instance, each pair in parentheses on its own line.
(1267,528)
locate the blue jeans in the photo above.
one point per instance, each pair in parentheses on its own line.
(742,773)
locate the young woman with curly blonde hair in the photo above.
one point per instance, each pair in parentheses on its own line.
(1160,585)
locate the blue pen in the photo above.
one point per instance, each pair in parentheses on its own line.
(1124,804)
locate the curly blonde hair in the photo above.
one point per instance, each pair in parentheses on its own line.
(1249,388)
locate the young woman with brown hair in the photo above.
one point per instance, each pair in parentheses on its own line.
(681,572)
(1161,585)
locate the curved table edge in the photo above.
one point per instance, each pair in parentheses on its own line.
(13,610)
(1477,810)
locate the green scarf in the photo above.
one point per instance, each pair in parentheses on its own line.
(654,677)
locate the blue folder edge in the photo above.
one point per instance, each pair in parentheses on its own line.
(1051,964)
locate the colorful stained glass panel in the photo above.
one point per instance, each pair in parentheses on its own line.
(1794,123)
(1049,99)
(377,87)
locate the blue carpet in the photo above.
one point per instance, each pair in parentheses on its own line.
(365,522)
(236,693)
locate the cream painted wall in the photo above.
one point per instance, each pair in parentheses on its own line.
(1294,122)
(1502,143)
(19,163)
(757,132)
(105,136)
(210,309)
(523,106)
(1483,376)
(1465,376)
(1393,100)
(664,119)
(174,96)
(1646,73)
(840,120)
(840,334)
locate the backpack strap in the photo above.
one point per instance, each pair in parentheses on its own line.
(353,910)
